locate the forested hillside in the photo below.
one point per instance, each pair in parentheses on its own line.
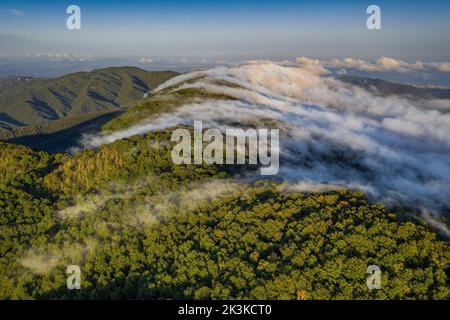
(28,101)
(141,227)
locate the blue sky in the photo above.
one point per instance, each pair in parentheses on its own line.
(228,29)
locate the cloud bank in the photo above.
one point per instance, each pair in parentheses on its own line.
(383,64)
(332,134)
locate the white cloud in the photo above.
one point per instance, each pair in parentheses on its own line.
(146,60)
(15,12)
(56,56)
(383,64)
(333,134)
(441,66)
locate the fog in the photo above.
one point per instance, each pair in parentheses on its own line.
(332,134)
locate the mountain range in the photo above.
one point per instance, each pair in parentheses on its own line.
(140,226)
(27,101)
(50,114)
(387,88)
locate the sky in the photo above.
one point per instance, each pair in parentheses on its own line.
(255,29)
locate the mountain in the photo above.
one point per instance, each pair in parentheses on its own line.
(140,226)
(387,88)
(28,101)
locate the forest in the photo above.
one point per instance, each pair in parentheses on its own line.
(141,227)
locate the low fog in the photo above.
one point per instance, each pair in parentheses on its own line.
(332,134)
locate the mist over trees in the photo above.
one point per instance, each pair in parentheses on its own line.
(140,227)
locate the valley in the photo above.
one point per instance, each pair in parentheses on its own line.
(28,101)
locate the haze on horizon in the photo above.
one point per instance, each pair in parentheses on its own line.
(228,29)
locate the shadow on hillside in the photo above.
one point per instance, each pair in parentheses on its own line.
(62,140)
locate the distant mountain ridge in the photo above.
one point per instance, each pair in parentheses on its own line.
(116,98)
(26,101)
(387,88)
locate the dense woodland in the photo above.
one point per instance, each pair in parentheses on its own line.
(140,227)
(38,102)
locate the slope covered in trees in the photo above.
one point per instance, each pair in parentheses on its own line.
(30,101)
(140,227)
